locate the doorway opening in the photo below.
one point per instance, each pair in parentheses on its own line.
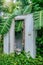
(19,35)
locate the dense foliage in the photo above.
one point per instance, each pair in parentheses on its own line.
(8,14)
(20,59)
(39,42)
(11,9)
(38,19)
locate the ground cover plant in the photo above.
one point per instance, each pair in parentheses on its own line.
(20,59)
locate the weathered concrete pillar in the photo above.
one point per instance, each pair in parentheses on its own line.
(30,35)
(12,37)
(6,43)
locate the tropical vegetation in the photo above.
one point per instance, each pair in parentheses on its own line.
(22,7)
(20,59)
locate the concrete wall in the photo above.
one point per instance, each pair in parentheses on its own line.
(6,45)
(30,36)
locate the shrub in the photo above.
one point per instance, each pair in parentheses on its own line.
(19,59)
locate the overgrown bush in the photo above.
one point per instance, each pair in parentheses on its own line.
(19,59)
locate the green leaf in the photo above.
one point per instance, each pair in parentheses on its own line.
(6,23)
(38,19)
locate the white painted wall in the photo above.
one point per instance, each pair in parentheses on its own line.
(30,35)
(12,37)
(6,43)
(9,40)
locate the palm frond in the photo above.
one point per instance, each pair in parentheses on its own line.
(5,24)
(38,19)
(27,9)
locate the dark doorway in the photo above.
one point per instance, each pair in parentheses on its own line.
(19,35)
